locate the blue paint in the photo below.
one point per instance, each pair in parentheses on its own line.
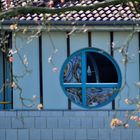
(53,97)
(1,79)
(5,76)
(8,89)
(84,77)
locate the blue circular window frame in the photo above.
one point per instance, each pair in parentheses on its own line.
(83,52)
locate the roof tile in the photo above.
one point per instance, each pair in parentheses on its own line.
(111,13)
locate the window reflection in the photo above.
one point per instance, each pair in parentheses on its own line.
(75,95)
(73,70)
(97,96)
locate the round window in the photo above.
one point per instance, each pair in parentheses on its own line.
(90,78)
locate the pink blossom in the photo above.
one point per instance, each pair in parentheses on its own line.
(126,101)
(11,59)
(55,69)
(136,118)
(120,122)
(126,125)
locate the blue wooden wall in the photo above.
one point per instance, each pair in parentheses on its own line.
(1,79)
(131,91)
(53,96)
(30,82)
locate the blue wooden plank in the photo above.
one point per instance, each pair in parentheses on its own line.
(8,89)
(72,84)
(84,77)
(132,73)
(54,97)
(104,85)
(29,52)
(1,79)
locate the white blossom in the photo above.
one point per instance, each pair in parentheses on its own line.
(138,84)
(50,59)
(39,106)
(34,97)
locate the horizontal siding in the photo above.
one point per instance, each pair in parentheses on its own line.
(64,125)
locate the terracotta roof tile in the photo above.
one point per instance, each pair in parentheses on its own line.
(111,13)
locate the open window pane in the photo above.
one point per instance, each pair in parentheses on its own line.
(92,69)
(100,69)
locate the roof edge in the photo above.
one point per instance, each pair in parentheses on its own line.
(72,23)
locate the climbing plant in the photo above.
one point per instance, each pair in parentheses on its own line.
(9,52)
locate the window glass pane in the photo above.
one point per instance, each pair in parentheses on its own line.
(74,94)
(98,96)
(73,70)
(100,69)
(92,69)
